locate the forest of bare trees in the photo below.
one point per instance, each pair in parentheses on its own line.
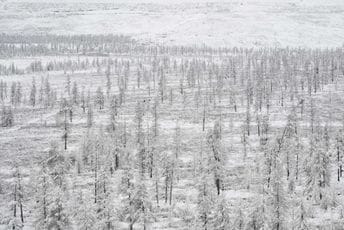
(105,132)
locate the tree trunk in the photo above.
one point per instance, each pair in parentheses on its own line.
(95,179)
(157,190)
(166,188)
(21,212)
(15,202)
(171,186)
(297,166)
(65,129)
(116,162)
(203,122)
(218,186)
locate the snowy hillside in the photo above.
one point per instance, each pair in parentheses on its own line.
(308,23)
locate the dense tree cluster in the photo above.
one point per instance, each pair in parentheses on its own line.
(253,123)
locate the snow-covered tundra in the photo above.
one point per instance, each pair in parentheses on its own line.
(196,115)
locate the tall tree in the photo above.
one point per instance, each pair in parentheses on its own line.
(33,93)
(214,143)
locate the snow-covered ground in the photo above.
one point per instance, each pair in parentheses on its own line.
(237,120)
(27,142)
(310,23)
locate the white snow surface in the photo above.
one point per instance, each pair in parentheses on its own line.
(256,23)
